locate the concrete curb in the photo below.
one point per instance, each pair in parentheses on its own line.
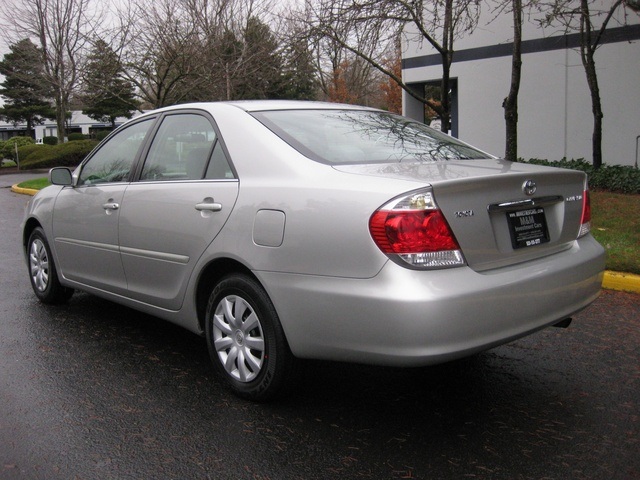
(625,282)
(25,191)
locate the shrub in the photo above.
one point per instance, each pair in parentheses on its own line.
(26,151)
(50,140)
(9,149)
(74,137)
(614,178)
(101,135)
(67,154)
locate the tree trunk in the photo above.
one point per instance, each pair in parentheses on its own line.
(228,80)
(445,86)
(30,130)
(510,103)
(61,113)
(589,42)
(447,59)
(596,109)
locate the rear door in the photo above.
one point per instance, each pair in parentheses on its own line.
(183,197)
(85,220)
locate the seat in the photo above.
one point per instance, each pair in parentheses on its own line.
(196,162)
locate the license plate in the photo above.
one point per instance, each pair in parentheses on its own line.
(528,227)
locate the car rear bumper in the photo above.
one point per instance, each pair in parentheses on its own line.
(405,317)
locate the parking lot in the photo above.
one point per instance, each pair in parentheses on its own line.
(92,390)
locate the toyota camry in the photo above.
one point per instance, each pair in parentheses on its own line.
(298,230)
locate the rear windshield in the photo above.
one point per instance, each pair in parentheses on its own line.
(362,136)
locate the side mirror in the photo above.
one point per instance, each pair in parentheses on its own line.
(60,176)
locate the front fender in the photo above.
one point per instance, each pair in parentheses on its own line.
(39,212)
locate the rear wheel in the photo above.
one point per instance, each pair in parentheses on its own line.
(42,270)
(245,339)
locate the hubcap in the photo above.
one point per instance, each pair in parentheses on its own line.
(238,338)
(39,264)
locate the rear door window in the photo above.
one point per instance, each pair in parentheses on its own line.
(181,149)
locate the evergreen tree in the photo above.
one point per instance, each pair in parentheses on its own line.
(299,79)
(107,95)
(250,62)
(25,95)
(264,63)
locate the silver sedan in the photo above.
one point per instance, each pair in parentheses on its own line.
(284,230)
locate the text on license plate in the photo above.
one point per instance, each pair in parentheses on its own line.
(528,227)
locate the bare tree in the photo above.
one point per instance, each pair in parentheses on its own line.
(191,50)
(510,102)
(58,27)
(590,20)
(342,75)
(242,54)
(365,28)
(159,50)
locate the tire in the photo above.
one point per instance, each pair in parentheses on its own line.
(42,270)
(245,339)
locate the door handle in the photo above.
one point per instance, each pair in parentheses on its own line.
(111,206)
(209,207)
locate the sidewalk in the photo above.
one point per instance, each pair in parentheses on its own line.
(625,282)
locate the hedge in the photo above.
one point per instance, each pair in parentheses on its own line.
(27,150)
(74,137)
(614,178)
(67,154)
(9,149)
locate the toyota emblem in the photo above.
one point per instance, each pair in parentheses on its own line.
(529,187)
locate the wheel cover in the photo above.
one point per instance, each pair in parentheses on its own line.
(39,265)
(238,338)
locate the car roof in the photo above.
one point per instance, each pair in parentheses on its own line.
(262,105)
(266,105)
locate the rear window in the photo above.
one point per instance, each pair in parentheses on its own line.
(362,136)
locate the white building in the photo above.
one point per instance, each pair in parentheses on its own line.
(555,118)
(77,123)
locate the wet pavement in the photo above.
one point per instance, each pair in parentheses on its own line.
(92,390)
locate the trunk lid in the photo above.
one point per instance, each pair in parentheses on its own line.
(501,213)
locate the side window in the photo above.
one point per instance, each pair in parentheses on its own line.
(219,165)
(112,163)
(181,149)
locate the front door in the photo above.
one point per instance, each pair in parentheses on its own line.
(85,220)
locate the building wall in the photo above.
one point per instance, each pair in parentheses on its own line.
(555,117)
(79,123)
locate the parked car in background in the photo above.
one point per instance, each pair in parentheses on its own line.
(283,230)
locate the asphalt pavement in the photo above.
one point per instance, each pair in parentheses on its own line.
(92,390)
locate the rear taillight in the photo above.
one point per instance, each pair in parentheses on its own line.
(413,229)
(585,221)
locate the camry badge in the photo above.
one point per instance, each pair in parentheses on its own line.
(529,187)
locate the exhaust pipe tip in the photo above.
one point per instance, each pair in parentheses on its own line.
(563,323)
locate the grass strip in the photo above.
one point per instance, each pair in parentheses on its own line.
(615,223)
(35,184)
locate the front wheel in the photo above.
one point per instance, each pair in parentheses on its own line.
(42,270)
(245,339)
